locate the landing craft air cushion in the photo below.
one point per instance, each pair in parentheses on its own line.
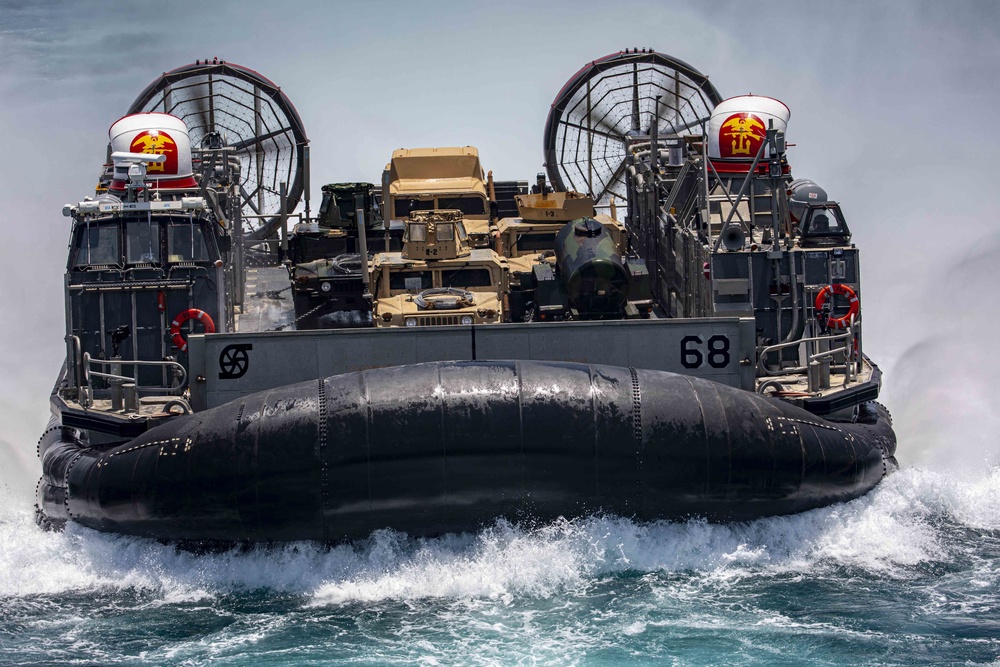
(669,326)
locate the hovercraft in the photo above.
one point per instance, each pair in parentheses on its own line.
(672,331)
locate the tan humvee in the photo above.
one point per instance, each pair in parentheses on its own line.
(438,278)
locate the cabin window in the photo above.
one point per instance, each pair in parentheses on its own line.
(411,281)
(142,242)
(416,232)
(402,207)
(469,205)
(186,242)
(98,245)
(461,231)
(825,222)
(467,277)
(445,231)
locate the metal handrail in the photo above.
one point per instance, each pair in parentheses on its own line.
(848,335)
(129,362)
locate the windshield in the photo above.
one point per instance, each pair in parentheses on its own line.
(467,204)
(467,277)
(411,281)
(142,241)
(403,206)
(186,243)
(826,221)
(97,244)
(536,241)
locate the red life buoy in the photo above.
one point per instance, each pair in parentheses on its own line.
(845,291)
(190,313)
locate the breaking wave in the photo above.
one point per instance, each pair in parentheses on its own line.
(907,521)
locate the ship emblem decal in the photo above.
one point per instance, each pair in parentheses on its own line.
(745,132)
(234,361)
(157,142)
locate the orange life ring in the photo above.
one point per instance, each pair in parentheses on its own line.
(845,291)
(189,314)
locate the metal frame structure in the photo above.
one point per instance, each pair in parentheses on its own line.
(602,108)
(253,118)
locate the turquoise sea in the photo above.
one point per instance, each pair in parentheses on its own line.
(908,575)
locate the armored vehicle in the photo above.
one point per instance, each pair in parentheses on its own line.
(703,357)
(424,179)
(326,265)
(327,275)
(556,274)
(438,278)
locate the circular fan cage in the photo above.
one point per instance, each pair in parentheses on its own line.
(253,117)
(610,103)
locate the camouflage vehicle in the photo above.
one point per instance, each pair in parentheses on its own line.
(438,278)
(557,274)
(326,266)
(335,230)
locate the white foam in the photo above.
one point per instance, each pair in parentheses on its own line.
(904,523)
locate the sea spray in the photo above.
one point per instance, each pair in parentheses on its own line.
(890,574)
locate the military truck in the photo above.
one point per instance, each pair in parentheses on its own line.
(325,261)
(448,178)
(568,263)
(438,278)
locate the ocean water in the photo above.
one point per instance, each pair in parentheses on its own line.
(907,575)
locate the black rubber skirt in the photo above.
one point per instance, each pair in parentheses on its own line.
(451,446)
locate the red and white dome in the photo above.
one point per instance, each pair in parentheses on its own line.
(156,133)
(739,125)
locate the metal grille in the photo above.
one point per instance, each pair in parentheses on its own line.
(436,320)
(253,117)
(611,102)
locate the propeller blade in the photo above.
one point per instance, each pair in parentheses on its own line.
(200,103)
(258,140)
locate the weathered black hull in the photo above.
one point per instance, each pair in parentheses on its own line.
(450,446)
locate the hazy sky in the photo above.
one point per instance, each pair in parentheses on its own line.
(893,112)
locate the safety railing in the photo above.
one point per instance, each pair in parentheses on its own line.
(125,389)
(818,362)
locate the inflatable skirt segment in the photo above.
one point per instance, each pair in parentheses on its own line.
(451,446)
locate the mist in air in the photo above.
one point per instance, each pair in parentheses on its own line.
(892,112)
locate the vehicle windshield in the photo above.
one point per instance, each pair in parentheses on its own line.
(403,206)
(411,281)
(467,204)
(825,222)
(467,277)
(536,241)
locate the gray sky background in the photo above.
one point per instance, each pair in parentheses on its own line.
(893,112)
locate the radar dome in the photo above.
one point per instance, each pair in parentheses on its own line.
(738,126)
(155,133)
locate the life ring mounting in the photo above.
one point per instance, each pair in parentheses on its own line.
(190,314)
(845,291)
